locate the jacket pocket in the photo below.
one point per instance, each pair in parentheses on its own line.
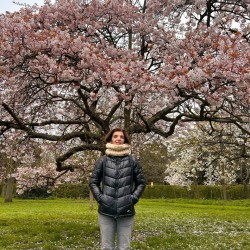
(106,200)
(134,199)
(101,199)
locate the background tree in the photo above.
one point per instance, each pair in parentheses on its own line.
(154,158)
(71,71)
(205,156)
(16,150)
(7,181)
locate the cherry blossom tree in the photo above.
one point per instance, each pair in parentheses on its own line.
(72,70)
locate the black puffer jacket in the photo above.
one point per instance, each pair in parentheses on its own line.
(122,185)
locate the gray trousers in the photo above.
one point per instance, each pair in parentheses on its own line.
(110,226)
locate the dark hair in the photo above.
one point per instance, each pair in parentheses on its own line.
(109,135)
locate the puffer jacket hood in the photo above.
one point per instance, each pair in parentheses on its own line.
(117,184)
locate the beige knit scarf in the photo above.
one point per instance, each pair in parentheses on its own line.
(117,150)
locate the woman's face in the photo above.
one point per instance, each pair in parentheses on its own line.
(118,138)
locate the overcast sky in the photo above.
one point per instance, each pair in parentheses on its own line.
(8,5)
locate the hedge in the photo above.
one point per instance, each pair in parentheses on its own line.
(74,191)
(81,191)
(234,192)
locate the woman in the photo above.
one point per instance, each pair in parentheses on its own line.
(122,185)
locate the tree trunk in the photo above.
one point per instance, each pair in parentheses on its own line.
(3,191)
(245,190)
(9,189)
(91,201)
(224,192)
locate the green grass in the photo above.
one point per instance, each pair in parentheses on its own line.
(160,224)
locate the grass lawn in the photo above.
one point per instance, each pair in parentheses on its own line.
(160,224)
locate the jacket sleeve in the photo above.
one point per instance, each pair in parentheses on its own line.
(96,178)
(139,180)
